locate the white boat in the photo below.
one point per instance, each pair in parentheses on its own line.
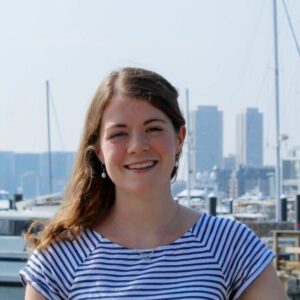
(13,248)
(254,210)
(194,199)
(4,200)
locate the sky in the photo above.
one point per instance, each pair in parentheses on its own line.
(222,51)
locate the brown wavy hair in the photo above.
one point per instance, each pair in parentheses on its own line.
(89,197)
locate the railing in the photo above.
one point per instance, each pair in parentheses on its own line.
(286,245)
(287,256)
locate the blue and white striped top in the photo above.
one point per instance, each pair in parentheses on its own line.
(217,258)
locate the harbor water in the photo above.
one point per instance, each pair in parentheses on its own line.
(11,287)
(12,293)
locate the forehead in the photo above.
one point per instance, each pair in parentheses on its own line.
(123,108)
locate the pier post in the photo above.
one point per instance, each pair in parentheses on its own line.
(212,205)
(283,203)
(16,198)
(297,210)
(231,206)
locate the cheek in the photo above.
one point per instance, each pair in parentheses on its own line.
(111,154)
(166,147)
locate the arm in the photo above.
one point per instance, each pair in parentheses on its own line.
(32,294)
(265,287)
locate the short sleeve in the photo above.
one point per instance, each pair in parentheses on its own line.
(250,258)
(39,273)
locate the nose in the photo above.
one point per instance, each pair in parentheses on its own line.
(138,142)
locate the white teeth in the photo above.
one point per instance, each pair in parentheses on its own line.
(141,166)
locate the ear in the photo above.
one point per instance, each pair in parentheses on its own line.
(100,155)
(180,138)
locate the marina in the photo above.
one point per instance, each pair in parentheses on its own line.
(281,237)
(241,153)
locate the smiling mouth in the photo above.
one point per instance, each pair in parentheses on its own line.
(141,166)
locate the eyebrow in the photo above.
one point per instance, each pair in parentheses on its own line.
(120,125)
(154,120)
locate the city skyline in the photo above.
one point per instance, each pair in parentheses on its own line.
(28,173)
(221,51)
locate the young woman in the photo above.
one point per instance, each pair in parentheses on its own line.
(119,234)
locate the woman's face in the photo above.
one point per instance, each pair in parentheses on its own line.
(138,144)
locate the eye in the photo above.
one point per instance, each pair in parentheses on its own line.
(154,130)
(117,134)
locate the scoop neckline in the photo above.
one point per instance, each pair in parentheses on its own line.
(102,238)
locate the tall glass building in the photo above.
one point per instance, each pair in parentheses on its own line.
(249,138)
(208,138)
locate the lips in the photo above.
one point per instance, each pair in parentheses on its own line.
(141,165)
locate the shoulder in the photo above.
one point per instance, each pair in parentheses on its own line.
(208,228)
(71,253)
(51,270)
(230,242)
(241,255)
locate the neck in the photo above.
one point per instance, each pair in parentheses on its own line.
(150,203)
(147,220)
(143,210)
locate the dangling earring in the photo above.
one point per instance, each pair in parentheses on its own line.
(103,174)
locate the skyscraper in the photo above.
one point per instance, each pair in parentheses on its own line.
(208,135)
(249,138)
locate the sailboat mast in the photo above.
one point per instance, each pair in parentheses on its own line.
(49,137)
(189,171)
(277,110)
